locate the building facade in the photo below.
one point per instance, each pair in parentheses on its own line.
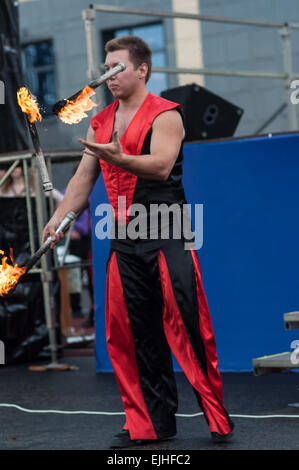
(55,55)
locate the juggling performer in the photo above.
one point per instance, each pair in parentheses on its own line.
(155,300)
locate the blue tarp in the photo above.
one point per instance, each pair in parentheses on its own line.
(249,257)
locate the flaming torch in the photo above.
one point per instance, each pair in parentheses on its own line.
(11,275)
(73,109)
(30,107)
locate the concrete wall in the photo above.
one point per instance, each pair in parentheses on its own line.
(250,48)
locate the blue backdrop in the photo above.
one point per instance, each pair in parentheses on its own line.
(249,257)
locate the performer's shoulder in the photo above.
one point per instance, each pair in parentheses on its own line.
(162,101)
(162,104)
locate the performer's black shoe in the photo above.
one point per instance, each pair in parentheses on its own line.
(221,438)
(123,440)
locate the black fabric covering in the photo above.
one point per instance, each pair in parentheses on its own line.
(13,131)
(22,320)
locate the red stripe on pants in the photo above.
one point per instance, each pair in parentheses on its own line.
(181,347)
(122,355)
(206,329)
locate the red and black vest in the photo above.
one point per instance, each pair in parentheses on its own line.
(136,141)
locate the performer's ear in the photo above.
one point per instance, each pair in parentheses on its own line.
(143,69)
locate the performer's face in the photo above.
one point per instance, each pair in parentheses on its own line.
(124,83)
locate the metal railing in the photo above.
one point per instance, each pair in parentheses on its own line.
(287,75)
(43,213)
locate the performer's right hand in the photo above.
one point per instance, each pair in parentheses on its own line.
(50,229)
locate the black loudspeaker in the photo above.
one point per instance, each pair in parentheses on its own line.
(207,116)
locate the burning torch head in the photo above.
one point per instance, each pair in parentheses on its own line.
(73,109)
(62,103)
(29,105)
(10,275)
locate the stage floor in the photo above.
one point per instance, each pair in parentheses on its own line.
(85,390)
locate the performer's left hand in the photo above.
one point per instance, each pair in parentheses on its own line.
(111,152)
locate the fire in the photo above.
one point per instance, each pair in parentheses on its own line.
(28,104)
(9,275)
(74,110)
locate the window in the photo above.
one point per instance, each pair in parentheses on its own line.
(153,34)
(38,69)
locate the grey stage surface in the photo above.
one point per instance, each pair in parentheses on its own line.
(85,390)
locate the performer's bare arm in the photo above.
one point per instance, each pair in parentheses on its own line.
(168,133)
(77,192)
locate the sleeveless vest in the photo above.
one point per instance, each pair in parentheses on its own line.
(119,182)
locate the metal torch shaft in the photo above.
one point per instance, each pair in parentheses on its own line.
(107,75)
(47,185)
(46,245)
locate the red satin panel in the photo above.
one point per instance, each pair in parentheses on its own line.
(181,347)
(206,329)
(123,359)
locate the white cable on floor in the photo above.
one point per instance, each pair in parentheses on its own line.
(27,410)
(116,413)
(264,416)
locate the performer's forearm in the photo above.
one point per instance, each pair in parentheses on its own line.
(152,167)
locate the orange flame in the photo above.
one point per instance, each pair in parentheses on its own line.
(9,275)
(74,111)
(28,104)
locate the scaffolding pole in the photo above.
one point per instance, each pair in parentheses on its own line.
(285,34)
(93,72)
(46,270)
(89,16)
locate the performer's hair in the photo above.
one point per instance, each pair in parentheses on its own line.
(139,50)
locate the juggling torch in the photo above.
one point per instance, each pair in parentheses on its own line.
(29,106)
(11,275)
(72,110)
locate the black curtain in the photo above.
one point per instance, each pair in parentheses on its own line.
(13,132)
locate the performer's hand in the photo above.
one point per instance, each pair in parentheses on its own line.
(50,228)
(111,152)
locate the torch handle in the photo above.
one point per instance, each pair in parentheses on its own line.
(107,75)
(46,245)
(47,185)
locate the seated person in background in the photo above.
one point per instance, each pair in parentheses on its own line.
(14,186)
